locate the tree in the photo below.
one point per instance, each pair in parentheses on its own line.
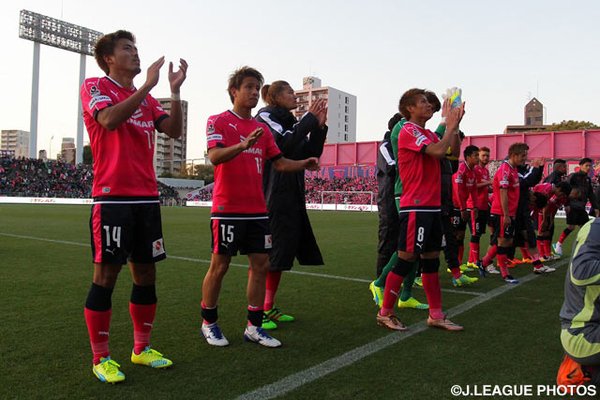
(572,125)
(87,155)
(204,172)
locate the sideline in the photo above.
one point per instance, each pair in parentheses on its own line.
(294,381)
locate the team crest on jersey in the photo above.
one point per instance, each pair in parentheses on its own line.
(94,91)
(158,248)
(268,242)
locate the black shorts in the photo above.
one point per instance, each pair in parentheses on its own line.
(248,236)
(458,223)
(420,231)
(477,225)
(499,231)
(524,232)
(122,231)
(577,216)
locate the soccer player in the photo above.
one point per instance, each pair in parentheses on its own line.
(238,148)
(284,192)
(582,192)
(125,224)
(504,206)
(559,172)
(557,196)
(419,151)
(464,195)
(388,212)
(525,239)
(580,330)
(479,219)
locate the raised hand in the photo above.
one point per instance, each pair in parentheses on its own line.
(153,73)
(319,110)
(176,78)
(252,138)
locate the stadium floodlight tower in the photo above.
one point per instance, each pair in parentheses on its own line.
(56,33)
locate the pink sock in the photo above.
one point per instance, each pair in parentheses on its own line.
(390,293)
(431,284)
(142,316)
(525,252)
(455,272)
(474,252)
(547,248)
(273,279)
(502,261)
(98,325)
(492,251)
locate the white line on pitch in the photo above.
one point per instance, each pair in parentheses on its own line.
(294,381)
(200,260)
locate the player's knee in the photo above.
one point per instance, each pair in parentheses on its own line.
(99,298)
(143,294)
(403,267)
(429,265)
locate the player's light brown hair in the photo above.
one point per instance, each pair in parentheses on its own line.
(484,148)
(409,98)
(237,77)
(270,92)
(105,46)
(517,148)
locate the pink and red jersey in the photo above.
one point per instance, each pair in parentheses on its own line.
(123,157)
(507,178)
(464,187)
(238,182)
(482,174)
(554,203)
(420,173)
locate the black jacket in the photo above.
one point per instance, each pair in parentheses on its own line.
(528,177)
(555,177)
(583,184)
(284,192)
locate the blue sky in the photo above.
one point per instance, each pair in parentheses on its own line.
(500,53)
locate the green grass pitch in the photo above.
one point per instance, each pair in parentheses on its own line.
(44,350)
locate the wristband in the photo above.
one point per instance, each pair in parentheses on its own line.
(175,97)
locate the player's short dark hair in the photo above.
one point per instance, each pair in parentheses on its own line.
(394,120)
(541,200)
(585,160)
(469,150)
(238,76)
(269,92)
(433,100)
(559,161)
(484,148)
(105,46)
(564,187)
(409,98)
(517,148)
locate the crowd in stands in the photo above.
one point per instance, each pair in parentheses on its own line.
(28,177)
(317,190)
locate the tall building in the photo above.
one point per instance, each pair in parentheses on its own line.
(67,150)
(533,120)
(15,142)
(534,113)
(170,154)
(341,113)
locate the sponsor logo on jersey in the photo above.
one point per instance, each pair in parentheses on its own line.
(268,242)
(254,150)
(106,189)
(234,126)
(137,114)
(214,136)
(94,91)
(158,248)
(210,129)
